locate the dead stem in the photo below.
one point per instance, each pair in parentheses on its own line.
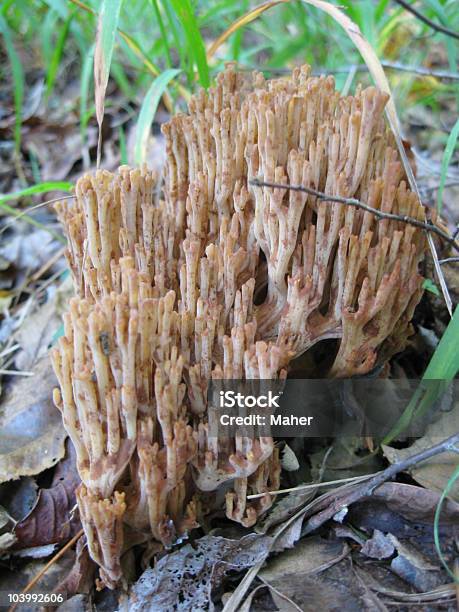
(432,24)
(379,214)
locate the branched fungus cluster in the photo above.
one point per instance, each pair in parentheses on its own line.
(202,275)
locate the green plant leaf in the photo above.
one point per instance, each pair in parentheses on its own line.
(172,26)
(57,55)
(18,80)
(447,155)
(444,363)
(443,367)
(162,29)
(36,189)
(444,495)
(196,45)
(105,41)
(429,285)
(148,111)
(85,78)
(5,6)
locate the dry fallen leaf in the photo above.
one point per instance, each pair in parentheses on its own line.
(285,508)
(18,497)
(184,580)
(310,556)
(315,575)
(415,504)
(41,325)
(289,461)
(433,473)
(32,437)
(289,536)
(6,541)
(379,546)
(50,520)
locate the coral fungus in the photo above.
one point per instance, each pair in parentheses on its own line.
(203,275)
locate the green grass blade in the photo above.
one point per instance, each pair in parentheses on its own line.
(57,56)
(85,81)
(444,364)
(438,9)
(196,45)
(5,6)
(25,217)
(442,368)
(18,81)
(47,30)
(105,41)
(119,76)
(58,7)
(447,155)
(381,8)
(36,189)
(162,29)
(148,111)
(444,495)
(175,35)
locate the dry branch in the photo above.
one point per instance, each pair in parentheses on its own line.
(327,505)
(432,24)
(379,214)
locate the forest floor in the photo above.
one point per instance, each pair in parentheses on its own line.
(350,546)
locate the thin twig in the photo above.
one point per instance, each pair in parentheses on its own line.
(447,445)
(51,562)
(367,487)
(49,281)
(422,71)
(419,70)
(9,350)
(429,190)
(47,265)
(379,214)
(291,603)
(341,498)
(432,24)
(350,77)
(16,373)
(28,210)
(449,260)
(15,213)
(312,485)
(442,592)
